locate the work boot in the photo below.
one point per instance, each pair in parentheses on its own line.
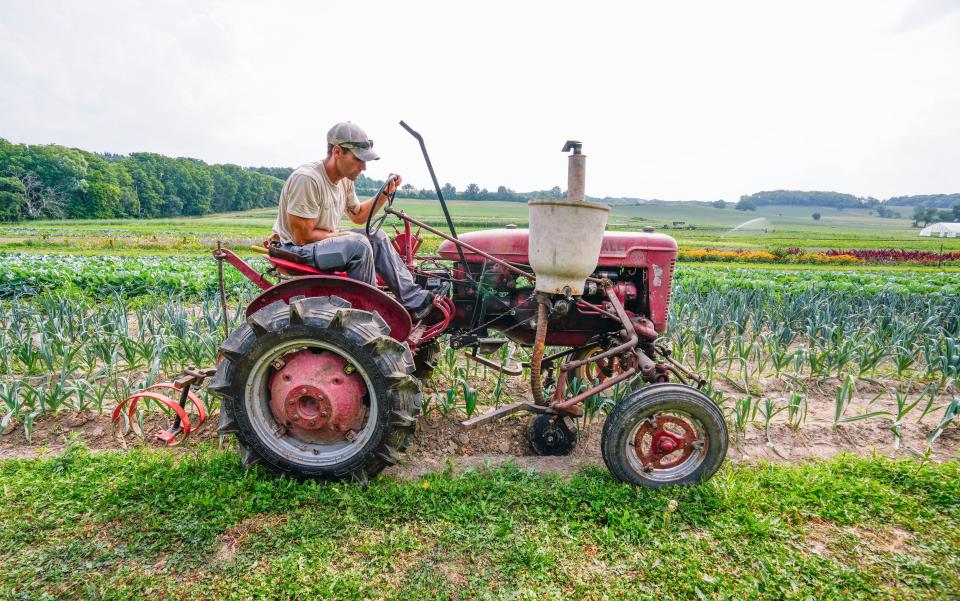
(424,309)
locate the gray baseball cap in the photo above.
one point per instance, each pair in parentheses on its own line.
(353,138)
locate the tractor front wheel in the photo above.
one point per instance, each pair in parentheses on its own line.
(663,435)
(317,389)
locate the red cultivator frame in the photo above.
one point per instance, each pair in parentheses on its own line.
(322,378)
(182,425)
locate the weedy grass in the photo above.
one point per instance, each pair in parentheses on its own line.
(196,525)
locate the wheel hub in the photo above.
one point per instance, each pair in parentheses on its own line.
(307,407)
(658,447)
(317,397)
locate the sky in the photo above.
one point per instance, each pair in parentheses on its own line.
(672,100)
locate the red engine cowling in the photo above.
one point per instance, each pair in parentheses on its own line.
(652,255)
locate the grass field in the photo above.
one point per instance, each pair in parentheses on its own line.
(140,524)
(772,227)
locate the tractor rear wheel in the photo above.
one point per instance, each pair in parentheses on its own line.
(317,389)
(664,435)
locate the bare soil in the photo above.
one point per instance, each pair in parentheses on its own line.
(440,441)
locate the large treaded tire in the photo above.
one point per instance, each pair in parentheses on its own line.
(361,337)
(670,399)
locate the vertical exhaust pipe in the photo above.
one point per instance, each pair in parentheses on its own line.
(576,171)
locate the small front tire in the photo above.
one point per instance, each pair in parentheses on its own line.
(664,435)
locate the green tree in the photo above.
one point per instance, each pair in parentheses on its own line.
(887,213)
(12,199)
(923,216)
(745,204)
(816,216)
(98,194)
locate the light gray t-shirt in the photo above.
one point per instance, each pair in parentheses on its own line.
(310,194)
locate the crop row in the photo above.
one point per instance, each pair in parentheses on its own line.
(67,352)
(813,331)
(28,274)
(62,351)
(103,276)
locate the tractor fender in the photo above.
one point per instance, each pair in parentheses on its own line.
(359,294)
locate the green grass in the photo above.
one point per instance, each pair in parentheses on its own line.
(195,525)
(785,226)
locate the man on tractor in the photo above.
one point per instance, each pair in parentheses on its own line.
(314,199)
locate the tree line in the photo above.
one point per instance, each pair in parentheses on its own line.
(51,182)
(55,182)
(368,186)
(927,207)
(939,201)
(837,200)
(923,216)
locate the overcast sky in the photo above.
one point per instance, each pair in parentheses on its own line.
(672,100)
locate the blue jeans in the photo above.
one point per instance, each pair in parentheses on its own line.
(363,257)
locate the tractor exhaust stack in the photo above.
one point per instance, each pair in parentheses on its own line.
(576,171)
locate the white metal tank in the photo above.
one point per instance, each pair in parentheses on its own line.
(565,235)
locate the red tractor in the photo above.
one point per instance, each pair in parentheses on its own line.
(323,378)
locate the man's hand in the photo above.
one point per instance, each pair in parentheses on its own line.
(393,184)
(363,209)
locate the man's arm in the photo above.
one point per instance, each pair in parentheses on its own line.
(359,213)
(305,231)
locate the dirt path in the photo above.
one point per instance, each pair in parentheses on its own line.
(441,442)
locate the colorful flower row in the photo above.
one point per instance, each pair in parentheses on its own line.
(754,256)
(894,255)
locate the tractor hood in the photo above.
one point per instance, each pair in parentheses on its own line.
(619,249)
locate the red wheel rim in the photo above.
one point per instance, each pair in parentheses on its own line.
(665,441)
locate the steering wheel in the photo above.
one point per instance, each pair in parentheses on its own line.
(374,225)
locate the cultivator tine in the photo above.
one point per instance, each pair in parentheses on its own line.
(168,436)
(182,426)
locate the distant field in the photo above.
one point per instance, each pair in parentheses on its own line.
(768,227)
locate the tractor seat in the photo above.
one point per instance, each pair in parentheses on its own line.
(293,268)
(290,268)
(287,264)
